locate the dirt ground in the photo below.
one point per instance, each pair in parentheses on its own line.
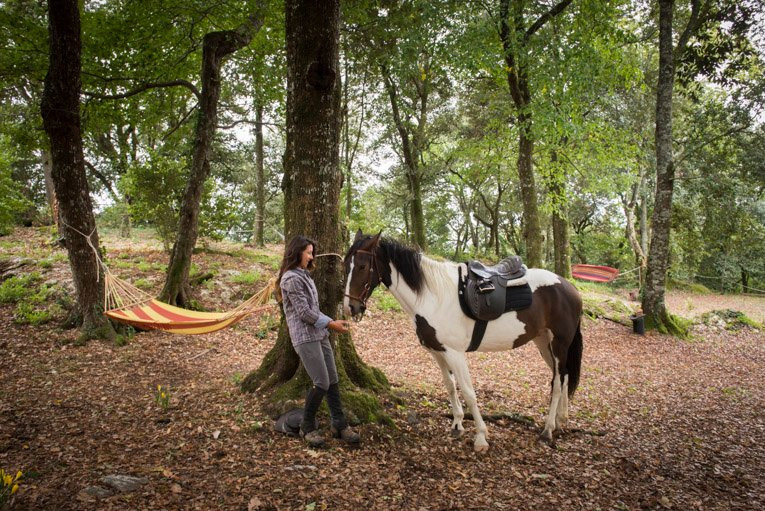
(657,423)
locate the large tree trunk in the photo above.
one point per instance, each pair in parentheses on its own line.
(658,255)
(312,183)
(60,110)
(216,47)
(260,207)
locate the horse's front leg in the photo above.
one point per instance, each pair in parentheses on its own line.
(451,388)
(457,362)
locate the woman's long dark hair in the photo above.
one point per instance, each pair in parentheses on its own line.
(291,259)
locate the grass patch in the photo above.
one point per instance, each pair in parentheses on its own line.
(143,284)
(246,277)
(729,319)
(144,266)
(386,301)
(272,261)
(15,289)
(691,287)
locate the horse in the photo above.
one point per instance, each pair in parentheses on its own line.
(428,292)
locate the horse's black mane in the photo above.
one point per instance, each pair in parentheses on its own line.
(405,259)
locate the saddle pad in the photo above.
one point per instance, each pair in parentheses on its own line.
(518,298)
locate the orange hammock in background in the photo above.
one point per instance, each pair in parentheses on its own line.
(594,273)
(126,303)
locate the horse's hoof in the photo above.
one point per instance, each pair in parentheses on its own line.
(481,447)
(457,432)
(480,444)
(547,437)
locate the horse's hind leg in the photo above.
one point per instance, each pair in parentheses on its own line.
(456,361)
(451,389)
(552,352)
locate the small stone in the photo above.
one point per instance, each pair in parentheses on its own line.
(412,418)
(98,491)
(124,483)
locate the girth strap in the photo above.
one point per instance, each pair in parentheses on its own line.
(479,329)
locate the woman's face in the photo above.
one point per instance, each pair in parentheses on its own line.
(306,256)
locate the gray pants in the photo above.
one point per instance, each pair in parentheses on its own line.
(319,362)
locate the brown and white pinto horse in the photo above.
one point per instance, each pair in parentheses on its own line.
(427,291)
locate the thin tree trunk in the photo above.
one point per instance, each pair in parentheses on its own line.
(629,207)
(514,37)
(60,110)
(410,147)
(260,207)
(216,47)
(312,183)
(557,188)
(50,190)
(653,295)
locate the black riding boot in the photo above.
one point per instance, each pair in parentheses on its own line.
(308,424)
(340,428)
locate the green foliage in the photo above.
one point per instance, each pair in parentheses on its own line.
(12,201)
(156,187)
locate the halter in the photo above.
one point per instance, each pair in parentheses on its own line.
(364,296)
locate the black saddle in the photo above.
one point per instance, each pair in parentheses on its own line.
(507,269)
(487,292)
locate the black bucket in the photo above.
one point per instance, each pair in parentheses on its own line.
(638,324)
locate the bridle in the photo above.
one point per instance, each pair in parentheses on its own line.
(369,285)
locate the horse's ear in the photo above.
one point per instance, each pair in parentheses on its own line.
(376,239)
(359,235)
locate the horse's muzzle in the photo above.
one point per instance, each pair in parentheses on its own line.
(356,311)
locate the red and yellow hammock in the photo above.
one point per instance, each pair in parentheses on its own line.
(126,303)
(594,273)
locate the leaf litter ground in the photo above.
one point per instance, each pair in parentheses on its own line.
(657,423)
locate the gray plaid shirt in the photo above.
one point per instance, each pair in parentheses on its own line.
(300,301)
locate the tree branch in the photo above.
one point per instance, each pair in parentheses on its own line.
(554,11)
(103,180)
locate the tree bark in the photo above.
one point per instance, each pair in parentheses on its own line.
(216,47)
(312,183)
(260,207)
(50,191)
(60,108)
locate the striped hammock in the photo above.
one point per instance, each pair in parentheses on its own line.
(594,273)
(126,303)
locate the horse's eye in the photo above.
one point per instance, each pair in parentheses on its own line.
(361,267)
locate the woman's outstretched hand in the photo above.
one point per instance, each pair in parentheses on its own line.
(340,325)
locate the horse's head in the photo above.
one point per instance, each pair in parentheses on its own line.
(362,273)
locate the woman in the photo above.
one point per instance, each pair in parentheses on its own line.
(309,331)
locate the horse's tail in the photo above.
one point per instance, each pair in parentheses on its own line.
(574,360)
